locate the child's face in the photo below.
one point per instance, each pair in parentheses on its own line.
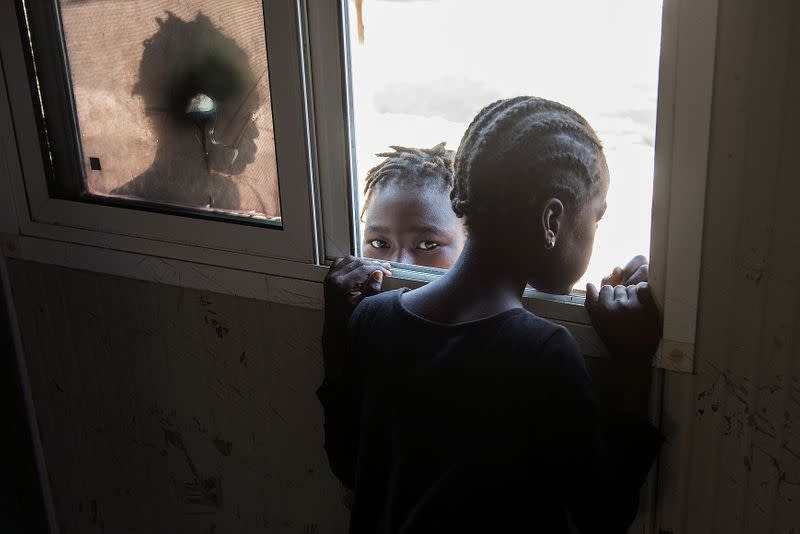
(406,223)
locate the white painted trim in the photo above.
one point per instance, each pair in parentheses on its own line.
(682,143)
(163,249)
(300,292)
(328,55)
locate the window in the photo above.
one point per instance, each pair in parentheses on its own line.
(415,80)
(422,70)
(173,106)
(160,120)
(79,131)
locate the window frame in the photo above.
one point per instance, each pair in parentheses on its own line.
(319,211)
(686,70)
(46,215)
(683,131)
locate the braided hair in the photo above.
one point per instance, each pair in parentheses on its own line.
(421,166)
(518,149)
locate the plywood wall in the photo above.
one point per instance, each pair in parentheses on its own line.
(171,410)
(732,461)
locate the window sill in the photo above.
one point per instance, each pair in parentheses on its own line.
(280,281)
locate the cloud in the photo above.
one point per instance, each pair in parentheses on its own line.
(642,117)
(456,100)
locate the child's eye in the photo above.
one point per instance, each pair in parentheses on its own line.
(428,245)
(378,243)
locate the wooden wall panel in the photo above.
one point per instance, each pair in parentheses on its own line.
(172,410)
(732,460)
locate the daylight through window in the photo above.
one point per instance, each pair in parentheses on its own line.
(422,70)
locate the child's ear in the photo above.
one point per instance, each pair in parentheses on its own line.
(552,212)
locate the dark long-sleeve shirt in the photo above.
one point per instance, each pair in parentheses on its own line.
(490,425)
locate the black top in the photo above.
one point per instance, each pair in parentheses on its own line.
(489,426)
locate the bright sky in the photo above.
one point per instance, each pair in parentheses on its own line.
(427,67)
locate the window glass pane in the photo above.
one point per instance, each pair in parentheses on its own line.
(173,103)
(422,70)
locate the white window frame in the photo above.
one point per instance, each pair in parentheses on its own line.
(294,241)
(317,196)
(683,128)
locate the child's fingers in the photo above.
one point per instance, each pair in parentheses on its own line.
(631,293)
(387,267)
(612,279)
(335,269)
(591,295)
(366,263)
(640,275)
(359,278)
(633,266)
(620,292)
(645,294)
(362,269)
(351,264)
(606,297)
(384,268)
(373,284)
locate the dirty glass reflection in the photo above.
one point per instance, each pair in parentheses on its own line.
(173,102)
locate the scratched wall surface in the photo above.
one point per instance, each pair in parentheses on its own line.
(732,460)
(171,410)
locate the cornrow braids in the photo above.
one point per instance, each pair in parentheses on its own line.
(518,147)
(420,166)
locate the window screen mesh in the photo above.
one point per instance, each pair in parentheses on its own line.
(173,102)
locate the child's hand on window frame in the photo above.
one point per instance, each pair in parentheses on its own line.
(350,280)
(636,271)
(626,319)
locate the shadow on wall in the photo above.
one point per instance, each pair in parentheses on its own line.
(201,95)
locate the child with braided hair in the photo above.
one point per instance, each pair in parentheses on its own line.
(407,219)
(456,410)
(407,215)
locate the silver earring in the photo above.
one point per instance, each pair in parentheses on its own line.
(549,244)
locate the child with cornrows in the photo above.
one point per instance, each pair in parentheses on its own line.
(453,409)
